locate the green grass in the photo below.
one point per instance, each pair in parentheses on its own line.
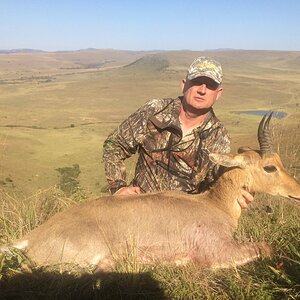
(78,110)
(253,79)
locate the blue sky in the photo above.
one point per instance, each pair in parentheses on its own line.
(146,25)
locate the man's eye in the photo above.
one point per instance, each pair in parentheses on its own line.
(212,86)
(270,169)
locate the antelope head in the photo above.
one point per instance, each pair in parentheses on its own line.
(264,167)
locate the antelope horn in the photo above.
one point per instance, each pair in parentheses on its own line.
(264,135)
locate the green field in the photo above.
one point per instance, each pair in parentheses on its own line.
(56,109)
(61,121)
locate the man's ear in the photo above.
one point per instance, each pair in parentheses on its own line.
(228,160)
(219,93)
(183,82)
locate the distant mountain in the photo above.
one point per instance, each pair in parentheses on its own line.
(26,50)
(11,51)
(222,49)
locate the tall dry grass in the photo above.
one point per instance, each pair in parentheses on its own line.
(20,215)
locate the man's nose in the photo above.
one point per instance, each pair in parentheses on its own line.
(202,88)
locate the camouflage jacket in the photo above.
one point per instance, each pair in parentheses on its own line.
(167,161)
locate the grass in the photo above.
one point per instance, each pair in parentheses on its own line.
(77,110)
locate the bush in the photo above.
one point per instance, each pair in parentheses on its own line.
(68,182)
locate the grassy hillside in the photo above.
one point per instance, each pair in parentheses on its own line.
(40,66)
(63,120)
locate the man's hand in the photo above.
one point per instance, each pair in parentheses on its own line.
(244,199)
(128,190)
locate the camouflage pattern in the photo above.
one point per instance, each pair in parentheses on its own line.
(205,66)
(167,161)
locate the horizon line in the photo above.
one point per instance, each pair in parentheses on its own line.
(32,50)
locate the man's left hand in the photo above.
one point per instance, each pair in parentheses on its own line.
(244,199)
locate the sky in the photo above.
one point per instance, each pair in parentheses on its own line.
(56,25)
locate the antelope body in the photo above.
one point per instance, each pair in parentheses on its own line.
(168,227)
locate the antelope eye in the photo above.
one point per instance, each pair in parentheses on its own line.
(270,169)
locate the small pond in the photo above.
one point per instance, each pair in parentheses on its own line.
(276,114)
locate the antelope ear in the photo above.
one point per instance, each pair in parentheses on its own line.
(228,160)
(244,149)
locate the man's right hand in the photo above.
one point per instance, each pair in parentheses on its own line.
(128,190)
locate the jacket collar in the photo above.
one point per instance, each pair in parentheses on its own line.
(168,117)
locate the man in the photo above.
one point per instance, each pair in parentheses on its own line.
(174,138)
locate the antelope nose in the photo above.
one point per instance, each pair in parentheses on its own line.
(295,197)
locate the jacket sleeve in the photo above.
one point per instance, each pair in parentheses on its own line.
(123,143)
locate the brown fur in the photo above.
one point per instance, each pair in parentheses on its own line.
(165,227)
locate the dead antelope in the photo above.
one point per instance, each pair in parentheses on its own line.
(166,227)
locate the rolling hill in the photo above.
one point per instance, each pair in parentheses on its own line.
(57,108)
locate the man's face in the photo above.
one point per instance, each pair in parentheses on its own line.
(201,93)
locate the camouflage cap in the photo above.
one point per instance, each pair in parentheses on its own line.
(205,66)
